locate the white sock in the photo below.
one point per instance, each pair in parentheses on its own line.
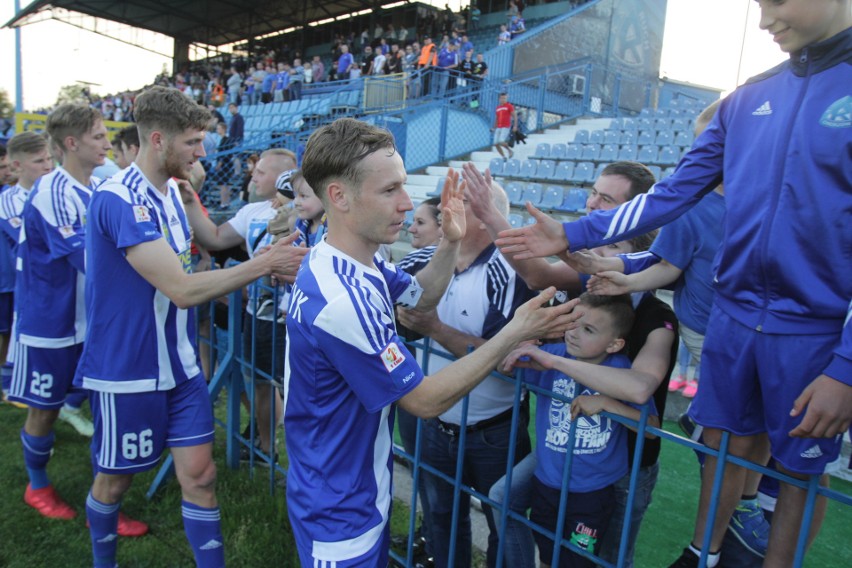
(712,559)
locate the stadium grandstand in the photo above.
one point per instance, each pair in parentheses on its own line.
(586,93)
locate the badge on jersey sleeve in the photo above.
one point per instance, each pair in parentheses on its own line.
(141,213)
(392,357)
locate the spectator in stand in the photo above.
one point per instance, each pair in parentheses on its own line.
(378,63)
(480,68)
(251,92)
(394,63)
(402,35)
(235,83)
(517,27)
(318,69)
(366,64)
(259,76)
(383,47)
(475,14)
(465,44)
(236,129)
(345,63)
(427,60)
(512,11)
(308,72)
(379,31)
(297,78)
(504,36)
(448,61)
(282,84)
(268,85)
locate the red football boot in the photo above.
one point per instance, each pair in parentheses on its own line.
(48,503)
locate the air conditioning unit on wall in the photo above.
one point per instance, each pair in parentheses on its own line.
(578,84)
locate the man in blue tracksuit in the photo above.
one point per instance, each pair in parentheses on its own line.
(777,360)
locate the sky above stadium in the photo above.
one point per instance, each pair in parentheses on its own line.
(715,43)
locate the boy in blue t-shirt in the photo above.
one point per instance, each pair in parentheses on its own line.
(600,452)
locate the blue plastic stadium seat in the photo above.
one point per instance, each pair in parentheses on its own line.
(599,170)
(584,172)
(615,124)
(552,197)
(661,112)
(645,123)
(532,193)
(581,136)
(596,137)
(611,137)
(627,137)
(648,154)
(679,124)
(438,187)
(590,152)
(515,191)
(628,152)
(557,152)
(516,220)
(645,137)
(669,155)
(656,171)
(629,124)
(542,151)
(662,124)
(564,171)
(496,166)
(573,151)
(609,152)
(545,170)
(575,200)
(667,172)
(664,138)
(512,167)
(528,168)
(684,139)
(646,113)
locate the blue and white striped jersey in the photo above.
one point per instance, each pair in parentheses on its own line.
(49,292)
(138,340)
(345,366)
(12,202)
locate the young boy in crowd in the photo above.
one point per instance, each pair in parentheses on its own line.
(600,453)
(311,223)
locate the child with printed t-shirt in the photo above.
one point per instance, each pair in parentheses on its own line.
(600,453)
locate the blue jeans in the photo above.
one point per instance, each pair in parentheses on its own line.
(641,501)
(485,460)
(518,543)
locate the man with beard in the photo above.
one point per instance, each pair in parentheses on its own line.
(140,356)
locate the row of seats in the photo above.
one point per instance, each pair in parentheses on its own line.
(664,154)
(647,123)
(640,137)
(550,198)
(567,171)
(310,105)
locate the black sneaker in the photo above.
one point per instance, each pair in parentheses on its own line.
(687,560)
(692,430)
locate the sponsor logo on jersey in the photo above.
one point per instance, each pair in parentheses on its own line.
(392,357)
(763,109)
(174,220)
(838,114)
(66,231)
(141,213)
(408,377)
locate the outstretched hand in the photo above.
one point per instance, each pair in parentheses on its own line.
(827,404)
(527,356)
(609,283)
(285,259)
(544,238)
(479,195)
(535,320)
(453,222)
(583,261)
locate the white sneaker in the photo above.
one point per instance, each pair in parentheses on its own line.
(75,418)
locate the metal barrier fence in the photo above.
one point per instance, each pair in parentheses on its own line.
(234,367)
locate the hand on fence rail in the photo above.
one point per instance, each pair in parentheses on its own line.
(828,409)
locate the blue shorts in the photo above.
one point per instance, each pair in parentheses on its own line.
(7,302)
(749,381)
(41,377)
(310,555)
(133,429)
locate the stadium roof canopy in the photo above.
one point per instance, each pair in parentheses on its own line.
(210,22)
